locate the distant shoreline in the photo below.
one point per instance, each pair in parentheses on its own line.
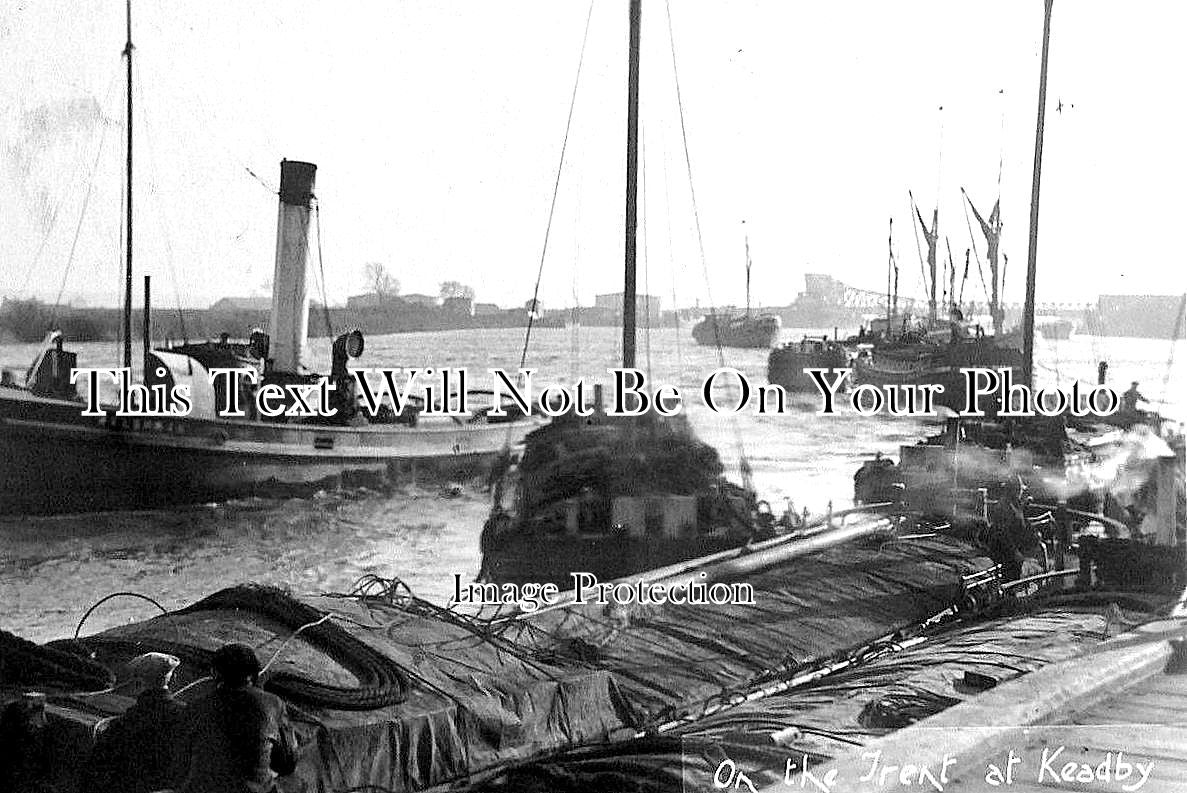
(27,321)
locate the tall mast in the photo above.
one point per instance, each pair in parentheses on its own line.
(632,180)
(933,241)
(747,274)
(128,204)
(889,270)
(995,300)
(950,303)
(1028,311)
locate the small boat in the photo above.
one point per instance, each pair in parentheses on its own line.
(746,330)
(1056,330)
(737,331)
(786,364)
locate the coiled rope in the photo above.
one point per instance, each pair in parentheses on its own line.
(382,682)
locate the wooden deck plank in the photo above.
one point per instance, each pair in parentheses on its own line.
(1152,786)
(1163,774)
(1123,711)
(1152,743)
(1162,741)
(1172,686)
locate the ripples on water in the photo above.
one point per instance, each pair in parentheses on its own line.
(53,569)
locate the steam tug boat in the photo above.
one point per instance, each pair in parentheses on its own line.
(60,460)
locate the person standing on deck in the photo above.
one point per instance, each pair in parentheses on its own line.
(1010,539)
(240,738)
(1130,399)
(140,751)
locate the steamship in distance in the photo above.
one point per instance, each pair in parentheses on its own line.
(58,460)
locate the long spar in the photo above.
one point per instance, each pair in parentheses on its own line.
(1028,312)
(632,179)
(128,233)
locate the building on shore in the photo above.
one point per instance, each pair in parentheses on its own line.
(1140,316)
(647,307)
(229,304)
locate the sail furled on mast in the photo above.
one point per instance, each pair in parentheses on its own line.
(932,236)
(991,227)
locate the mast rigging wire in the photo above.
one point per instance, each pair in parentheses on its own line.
(325,300)
(120,263)
(743,462)
(646,254)
(270,188)
(162,220)
(1001,149)
(949,295)
(940,157)
(1176,334)
(688,167)
(555,191)
(968,222)
(918,245)
(575,313)
(672,263)
(86,199)
(79,160)
(965,277)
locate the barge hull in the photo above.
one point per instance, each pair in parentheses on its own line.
(56,460)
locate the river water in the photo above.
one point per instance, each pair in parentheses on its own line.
(52,569)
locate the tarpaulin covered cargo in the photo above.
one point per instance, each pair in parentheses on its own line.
(388,690)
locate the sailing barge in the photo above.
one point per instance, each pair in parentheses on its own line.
(902,351)
(745,330)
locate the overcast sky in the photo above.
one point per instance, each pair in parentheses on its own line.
(437,128)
